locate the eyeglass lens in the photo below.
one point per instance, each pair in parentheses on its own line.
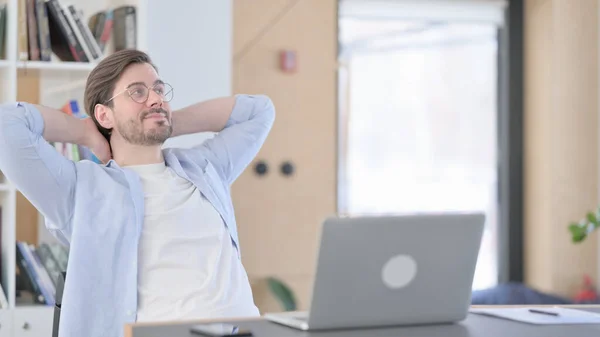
(140,93)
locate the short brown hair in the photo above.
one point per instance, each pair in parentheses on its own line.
(102,79)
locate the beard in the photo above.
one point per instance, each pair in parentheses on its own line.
(133,130)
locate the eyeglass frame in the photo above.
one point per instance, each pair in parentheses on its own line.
(157,82)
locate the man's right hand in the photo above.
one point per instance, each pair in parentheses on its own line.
(64,128)
(95,141)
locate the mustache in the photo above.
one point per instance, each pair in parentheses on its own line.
(155,110)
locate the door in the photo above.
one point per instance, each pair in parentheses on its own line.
(279,215)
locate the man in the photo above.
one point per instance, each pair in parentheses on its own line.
(151,232)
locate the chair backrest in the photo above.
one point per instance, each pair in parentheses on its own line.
(58,302)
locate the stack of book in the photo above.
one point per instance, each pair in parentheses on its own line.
(121,22)
(49,26)
(38,270)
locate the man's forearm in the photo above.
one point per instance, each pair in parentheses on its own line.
(208,116)
(61,127)
(242,122)
(43,175)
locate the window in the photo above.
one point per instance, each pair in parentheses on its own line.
(418,102)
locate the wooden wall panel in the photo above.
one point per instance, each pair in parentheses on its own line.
(279,217)
(561,140)
(28,90)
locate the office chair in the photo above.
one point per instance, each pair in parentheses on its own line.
(58,302)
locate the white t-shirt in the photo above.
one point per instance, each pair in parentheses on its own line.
(188,266)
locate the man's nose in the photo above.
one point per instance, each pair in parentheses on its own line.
(154,99)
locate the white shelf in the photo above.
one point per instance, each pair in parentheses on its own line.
(32,320)
(58,66)
(5,187)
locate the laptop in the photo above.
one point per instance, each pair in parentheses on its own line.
(391,271)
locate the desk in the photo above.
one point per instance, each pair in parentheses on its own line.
(473,326)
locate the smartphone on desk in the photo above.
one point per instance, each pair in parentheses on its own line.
(220,330)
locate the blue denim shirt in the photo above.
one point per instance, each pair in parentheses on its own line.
(98,210)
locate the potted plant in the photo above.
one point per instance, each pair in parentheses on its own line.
(581,230)
(283,293)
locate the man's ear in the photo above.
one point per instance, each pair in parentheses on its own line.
(104,115)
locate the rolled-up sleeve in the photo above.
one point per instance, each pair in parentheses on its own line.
(247,128)
(45,177)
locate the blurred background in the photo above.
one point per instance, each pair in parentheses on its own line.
(383,107)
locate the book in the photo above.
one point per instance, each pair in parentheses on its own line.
(43,30)
(80,41)
(3,20)
(101,24)
(27,275)
(49,262)
(32,31)
(62,37)
(38,270)
(22,44)
(44,278)
(124,27)
(90,44)
(61,254)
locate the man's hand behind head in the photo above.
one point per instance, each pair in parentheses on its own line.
(96,142)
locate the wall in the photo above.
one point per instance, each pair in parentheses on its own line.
(279,217)
(192,49)
(561,140)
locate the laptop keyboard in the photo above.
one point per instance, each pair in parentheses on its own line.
(301,316)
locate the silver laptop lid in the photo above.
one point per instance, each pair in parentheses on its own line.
(409,269)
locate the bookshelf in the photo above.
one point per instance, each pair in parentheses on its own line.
(57,66)
(195,73)
(53,83)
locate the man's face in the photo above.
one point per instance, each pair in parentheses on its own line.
(138,120)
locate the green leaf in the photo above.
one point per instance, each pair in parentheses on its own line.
(591,217)
(578,233)
(283,293)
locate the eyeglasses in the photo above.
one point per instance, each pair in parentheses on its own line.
(139,92)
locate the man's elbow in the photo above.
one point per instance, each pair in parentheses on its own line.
(11,115)
(10,120)
(16,127)
(7,116)
(267,109)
